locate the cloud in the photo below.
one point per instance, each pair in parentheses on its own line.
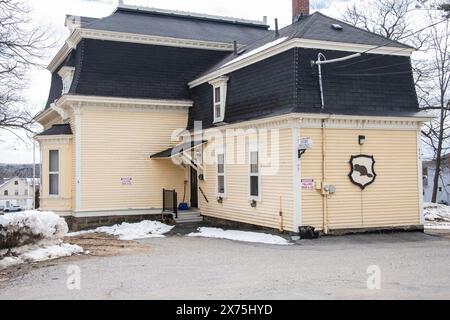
(324,4)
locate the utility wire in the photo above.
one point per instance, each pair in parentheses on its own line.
(389,41)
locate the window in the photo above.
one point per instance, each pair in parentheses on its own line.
(217,103)
(254,173)
(16,183)
(16,192)
(6,193)
(53,172)
(221,174)
(219,98)
(26,192)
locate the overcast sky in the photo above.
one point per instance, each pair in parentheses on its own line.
(52,13)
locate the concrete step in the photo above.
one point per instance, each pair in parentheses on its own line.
(188,217)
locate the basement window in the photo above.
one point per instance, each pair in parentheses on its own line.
(219,98)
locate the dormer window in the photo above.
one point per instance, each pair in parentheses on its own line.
(219,98)
(66,74)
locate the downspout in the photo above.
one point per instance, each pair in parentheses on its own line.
(324,176)
(321,57)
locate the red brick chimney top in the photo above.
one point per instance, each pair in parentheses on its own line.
(299,8)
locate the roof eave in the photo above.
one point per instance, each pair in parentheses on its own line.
(300,43)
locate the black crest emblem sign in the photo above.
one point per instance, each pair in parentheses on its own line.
(362,170)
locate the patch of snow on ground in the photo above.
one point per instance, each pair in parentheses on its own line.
(38,253)
(132,231)
(244,236)
(436,212)
(437,216)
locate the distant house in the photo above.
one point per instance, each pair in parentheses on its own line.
(17,192)
(333,144)
(429,169)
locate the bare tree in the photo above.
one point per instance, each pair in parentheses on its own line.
(22,47)
(435,95)
(389,18)
(395,19)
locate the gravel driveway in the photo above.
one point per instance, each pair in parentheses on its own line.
(412,265)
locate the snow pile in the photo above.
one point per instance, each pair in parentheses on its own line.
(33,236)
(22,228)
(243,236)
(132,231)
(436,212)
(37,253)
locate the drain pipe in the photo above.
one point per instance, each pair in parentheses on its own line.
(324,176)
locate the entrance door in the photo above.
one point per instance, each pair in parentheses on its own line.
(194,188)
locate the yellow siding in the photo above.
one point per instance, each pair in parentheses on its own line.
(393,200)
(74,158)
(276,190)
(118,144)
(63,202)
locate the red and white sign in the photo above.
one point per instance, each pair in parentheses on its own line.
(308,184)
(127,181)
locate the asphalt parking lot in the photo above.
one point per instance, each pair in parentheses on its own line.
(407,265)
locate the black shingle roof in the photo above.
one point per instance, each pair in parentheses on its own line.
(57,130)
(317,27)
(180,26)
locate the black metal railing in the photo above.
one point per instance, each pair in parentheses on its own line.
(170,202)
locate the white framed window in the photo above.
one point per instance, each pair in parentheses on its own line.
(221,183)
(219,98)
(53,173)
(66,74)
(16,192)
(6,193)
(254,173)
(26,192)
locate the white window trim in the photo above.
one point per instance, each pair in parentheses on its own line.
(254,148)
(224,174)
(54,172)
(222,84)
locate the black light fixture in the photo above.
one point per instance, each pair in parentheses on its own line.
(362,140)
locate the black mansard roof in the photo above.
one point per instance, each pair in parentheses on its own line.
(284,83)
(180,25)
(316,27)
(57,130)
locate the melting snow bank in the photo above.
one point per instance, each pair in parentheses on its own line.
(436,212)
(36,253)
(437,216)
(33,236)
(243,236)
(132,231)
(28,227)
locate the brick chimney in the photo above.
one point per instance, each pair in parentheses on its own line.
(299,8)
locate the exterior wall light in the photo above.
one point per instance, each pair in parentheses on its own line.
(362,140)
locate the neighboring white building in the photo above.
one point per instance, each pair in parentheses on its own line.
(429,169)
(17,192)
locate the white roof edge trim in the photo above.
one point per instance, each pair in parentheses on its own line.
(299,43)
(78,34)
(150,102)
(192,14)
